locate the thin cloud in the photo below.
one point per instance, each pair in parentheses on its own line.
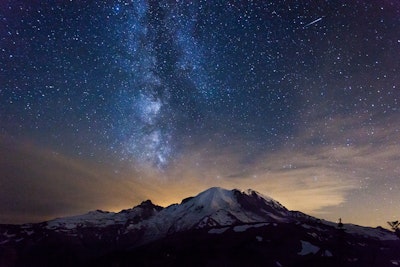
(39,184)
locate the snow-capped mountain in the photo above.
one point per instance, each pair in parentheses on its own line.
(211,208)
(220,207)
(216,214)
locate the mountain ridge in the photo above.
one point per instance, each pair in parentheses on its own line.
(239,206)
(215,214)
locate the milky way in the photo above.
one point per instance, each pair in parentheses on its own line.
(291,98)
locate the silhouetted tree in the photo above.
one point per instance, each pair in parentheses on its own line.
(340,224)
(395,227)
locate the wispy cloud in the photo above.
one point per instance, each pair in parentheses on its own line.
(38,184)
(323,167)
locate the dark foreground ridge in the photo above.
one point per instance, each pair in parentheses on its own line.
(218,227)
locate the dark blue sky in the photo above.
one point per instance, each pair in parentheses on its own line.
(208,90)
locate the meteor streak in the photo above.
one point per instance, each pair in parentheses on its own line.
(312,22)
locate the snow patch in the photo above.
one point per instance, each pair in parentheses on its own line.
(6,234)
(307,248)
(243,228)
(218,230)
(315,235)
(352,259)
(327,253)
(378,233)
(30,232)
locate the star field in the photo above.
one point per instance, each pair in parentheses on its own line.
(294,99)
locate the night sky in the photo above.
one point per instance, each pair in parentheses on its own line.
(104,104)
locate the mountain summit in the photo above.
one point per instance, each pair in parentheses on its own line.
(220,207)
(216,223)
